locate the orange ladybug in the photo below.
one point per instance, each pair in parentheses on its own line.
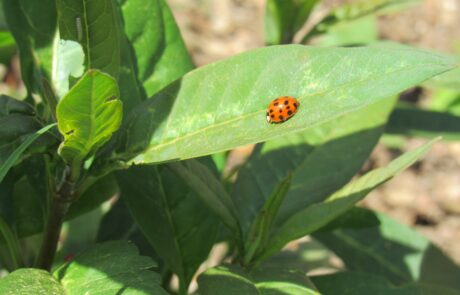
(282,109)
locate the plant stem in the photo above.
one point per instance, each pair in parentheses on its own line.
(60,204)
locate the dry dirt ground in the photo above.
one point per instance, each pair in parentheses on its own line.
(426,196)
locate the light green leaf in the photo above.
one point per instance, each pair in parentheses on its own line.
(88,115)
(376,244)
(157,43)
(171,217)
(30,281)
(316,216)
(110,268)
(222,106)
(354,283)
(12,158)
(354,10)
(93,24)
(230,280)
(68,61)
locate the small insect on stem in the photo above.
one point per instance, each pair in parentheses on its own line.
(79,29)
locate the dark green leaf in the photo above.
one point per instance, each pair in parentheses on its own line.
(92,197)
(14,156)
(171,217)
(375,244)
(88,115)
(95,26)
(314,217)
(157,43)
(424,123)
(222,106)
(110,268)
(33,25)
(283,18)
(209,189)
(29,281)
(230,280)
(262,225)
(321,160)
(351,283)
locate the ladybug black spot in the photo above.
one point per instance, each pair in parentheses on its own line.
(295,105)
(285,102)
(288,107)
(272,116)
(271,111)
(281,118)
(276,103)
(289,113)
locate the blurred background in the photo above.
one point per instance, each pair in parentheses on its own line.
(427,196)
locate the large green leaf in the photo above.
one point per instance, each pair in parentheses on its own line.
(110,268)
(354,283)
(29,281)
(283,18)
(95,26)
(157,43)
(230,280)
(425,123)
(222,106)
(315,216)
(374,243)
(88,115)
(180,229)
(33,25)
(321,159)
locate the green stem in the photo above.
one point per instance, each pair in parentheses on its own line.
(12,245)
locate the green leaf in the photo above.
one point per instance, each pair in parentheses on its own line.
(157,43)
(283,18)
(322,160)
(355,10)
(7,47)
(353,283)
(315,216)
(88,115)
(13,157)
(33,25)
(262,225)
(12,245)
(209,189)
(110,268)
(417,122)
(97,193)
(171,217)
(376,244)
(29,281)
(230,280)
(93,24)
(68,64)
(222,106)
(445,101)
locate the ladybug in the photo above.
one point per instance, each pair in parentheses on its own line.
(282,109)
